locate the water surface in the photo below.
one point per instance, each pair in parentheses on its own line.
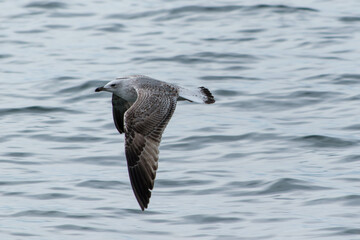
(277,156)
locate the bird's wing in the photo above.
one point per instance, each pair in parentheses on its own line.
(145,122)
(120,106)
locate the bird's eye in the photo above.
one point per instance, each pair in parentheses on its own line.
(113,85)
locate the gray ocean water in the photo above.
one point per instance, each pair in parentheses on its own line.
(276,157)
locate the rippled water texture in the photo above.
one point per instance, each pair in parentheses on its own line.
(277,156)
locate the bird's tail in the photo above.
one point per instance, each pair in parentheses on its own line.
(201,95)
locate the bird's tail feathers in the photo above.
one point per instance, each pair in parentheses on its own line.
(201,95)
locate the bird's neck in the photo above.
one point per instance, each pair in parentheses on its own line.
(127,93)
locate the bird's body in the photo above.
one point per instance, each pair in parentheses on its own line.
(142,107)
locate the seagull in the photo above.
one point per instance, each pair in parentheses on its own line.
(142,107)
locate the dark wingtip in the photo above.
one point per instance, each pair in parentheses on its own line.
(210,98)
(99,89)
(142,203)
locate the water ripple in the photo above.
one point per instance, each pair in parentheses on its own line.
(57,26)
(67,138)
(20,162)
(181,183)
(73,227)
(289,185)
(342,231)
(351,158)
(349,19)
(321,141)
(98,184)
(50,214)
(198,142)
(49,196)
(112,28)
(225,77)
(349,200)
(77,88)
(202,57)
(208,219)
(70,15)
(11,183)
(36,110)
(279,186)
(2,56)
(177,12)
(46,5)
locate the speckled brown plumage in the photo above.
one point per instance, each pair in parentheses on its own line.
(145,122)
(142,107)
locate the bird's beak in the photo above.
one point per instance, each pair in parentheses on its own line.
(99,89)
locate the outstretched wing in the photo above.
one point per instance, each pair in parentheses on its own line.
(120,106)
(145,122)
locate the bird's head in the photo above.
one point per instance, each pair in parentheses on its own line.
(113,86)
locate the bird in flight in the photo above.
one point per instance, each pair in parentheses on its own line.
(142,107)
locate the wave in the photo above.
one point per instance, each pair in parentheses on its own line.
(50,214)
(98,184)
(47,5)
(201,58)
(35,110)
(321,141)
(177,12)
(278,186)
